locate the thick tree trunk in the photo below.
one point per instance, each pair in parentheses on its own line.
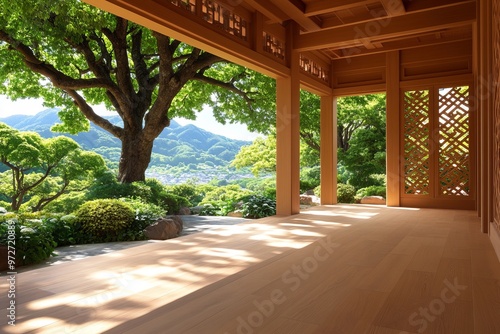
(135,158)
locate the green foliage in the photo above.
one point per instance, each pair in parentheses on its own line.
(193,193)
(173,203)
(257,206)
(67,202)
(209,209)
(361,128)
(260,156)
(104,219)
(371,191)
(92,57)
(41,170)
(317,191)
(63,229)
(265,186)
(345,193)
(145,215)
(33,240)
(230,192)
(107,186)
(309,178)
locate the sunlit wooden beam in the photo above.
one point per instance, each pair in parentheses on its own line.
(296,12)
(328,6)
(393,7)
(382,28)
(269,10)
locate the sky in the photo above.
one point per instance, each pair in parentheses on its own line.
(205,119)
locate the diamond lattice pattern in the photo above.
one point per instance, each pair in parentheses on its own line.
(454,158)
(416,142)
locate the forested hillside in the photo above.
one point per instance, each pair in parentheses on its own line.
(180,153)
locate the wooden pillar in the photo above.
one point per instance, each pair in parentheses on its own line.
(288,134)
(393,130)
(328,151)
(484,105)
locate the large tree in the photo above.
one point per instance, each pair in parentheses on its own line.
(75,56)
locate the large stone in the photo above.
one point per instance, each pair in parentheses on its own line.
(373,200)
(164,228)
(306,200)
(184,211)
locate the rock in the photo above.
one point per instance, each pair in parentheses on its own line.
(306,200)
(164,228)
(373,200)
(178,222)
(310,192)
(185,211)
(3,210)
(235,214)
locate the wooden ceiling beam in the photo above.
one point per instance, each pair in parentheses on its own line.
(414,6)
(384,28)
(397,45)
(269,10)
(328,6)
(393,7)
(295,11)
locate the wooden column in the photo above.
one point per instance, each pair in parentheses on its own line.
(393,130)
(328,152)
(485,111)
(288,134)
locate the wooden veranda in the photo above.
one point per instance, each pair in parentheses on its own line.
(331,269)
(437,62)
(391,269)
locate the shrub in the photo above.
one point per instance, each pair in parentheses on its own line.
(257,206)
(66,203)
(191,192)
(309,178)
(107,186)
(63,229)
(345,193)
(33,240)
(378,179)
(173,203)
(371,191)
(208,209)
(104,219)
(317,191)
(145,215)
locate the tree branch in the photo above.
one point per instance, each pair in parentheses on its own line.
(58,78)
(89,113)
(226,85)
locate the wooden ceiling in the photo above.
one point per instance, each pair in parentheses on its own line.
(348,28)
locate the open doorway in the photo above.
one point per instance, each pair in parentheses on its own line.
(361,146)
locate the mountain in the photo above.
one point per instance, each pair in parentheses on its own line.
(191,151)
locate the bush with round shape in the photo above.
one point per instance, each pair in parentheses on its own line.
(104,219)
(371,191)
(345,193)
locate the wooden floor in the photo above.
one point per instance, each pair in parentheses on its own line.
(332,269)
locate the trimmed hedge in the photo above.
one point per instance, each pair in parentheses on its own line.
(104,220)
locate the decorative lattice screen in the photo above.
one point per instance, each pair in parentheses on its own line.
(454,158)
(496,107)
(416,142)
(436,157)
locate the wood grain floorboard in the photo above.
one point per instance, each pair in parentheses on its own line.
(331,269)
